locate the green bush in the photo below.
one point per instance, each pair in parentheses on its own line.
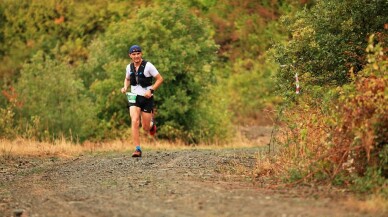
(322,49)
(180,45)
(371,181)
(54,101)
(62,29)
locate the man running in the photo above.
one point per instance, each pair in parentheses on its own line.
(140,74)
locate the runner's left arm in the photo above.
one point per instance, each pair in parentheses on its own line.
(158,82)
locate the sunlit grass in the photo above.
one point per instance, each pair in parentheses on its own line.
(375,204)
(65,148)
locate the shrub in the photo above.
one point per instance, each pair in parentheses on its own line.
(322,49)
(342,138)
(54,101)
(181,47)
(363,131)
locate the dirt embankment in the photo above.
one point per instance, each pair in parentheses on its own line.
(162,183)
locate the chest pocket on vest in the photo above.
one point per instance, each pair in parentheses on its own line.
(139,77)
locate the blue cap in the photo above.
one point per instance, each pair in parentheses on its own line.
(134,48)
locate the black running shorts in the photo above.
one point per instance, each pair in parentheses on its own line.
(145,105)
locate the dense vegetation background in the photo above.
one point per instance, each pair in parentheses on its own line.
(224,64)
(69,57)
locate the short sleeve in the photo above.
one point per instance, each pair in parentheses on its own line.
(151,69)
(128,71)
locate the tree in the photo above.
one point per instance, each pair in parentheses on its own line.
(62,29)
(328,40)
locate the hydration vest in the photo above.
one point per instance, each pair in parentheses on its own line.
(139,77)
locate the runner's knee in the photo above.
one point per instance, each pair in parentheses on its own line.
(135,122)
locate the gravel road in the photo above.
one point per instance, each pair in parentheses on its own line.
(194,182)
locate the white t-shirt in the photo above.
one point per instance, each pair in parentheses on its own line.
(149,70)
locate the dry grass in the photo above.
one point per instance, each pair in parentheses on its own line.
(374,205)
(63,148)
(24,147)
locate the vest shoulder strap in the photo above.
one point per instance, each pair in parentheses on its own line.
(141,68)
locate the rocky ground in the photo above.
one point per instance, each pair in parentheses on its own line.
(193,182)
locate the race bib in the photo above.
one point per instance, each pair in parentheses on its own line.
(131,97)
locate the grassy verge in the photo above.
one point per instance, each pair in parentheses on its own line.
(63,148)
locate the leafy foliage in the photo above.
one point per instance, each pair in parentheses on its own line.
(365,113)
(335,130)
(59,28)
(181,47)
(253,89)
(65,31)
(322,49)
(54,101)
(245,29)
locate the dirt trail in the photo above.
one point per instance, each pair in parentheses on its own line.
(162,183)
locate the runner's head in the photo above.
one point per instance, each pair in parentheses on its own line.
(135,53)
(134,48)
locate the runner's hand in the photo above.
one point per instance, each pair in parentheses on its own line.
(148,94)
(123,90)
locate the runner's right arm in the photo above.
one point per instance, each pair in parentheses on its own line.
(127,82)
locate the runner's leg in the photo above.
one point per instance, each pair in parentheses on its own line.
(146,120)
(135,123)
